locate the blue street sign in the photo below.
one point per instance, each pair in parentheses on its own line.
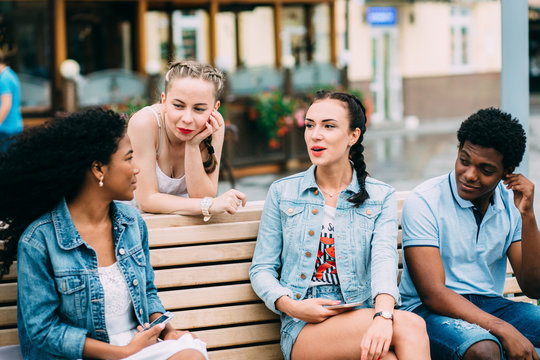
(381,16)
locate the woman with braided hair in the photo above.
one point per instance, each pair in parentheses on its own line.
(327,237)
(177,145)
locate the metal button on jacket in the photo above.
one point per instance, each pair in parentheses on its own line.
(121,251)
(315,211)
(311,232)
(135,282)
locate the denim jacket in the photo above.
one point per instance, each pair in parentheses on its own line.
(60,300)
(289,235)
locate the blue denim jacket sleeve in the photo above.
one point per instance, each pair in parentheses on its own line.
(152,298)
(264,270)
(36,289)
(384,256)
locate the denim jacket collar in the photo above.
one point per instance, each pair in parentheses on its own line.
(66,233)
(308,182)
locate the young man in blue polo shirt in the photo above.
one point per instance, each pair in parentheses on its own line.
(458,231)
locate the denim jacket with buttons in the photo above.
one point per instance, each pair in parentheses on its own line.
(289,235)
(60,300)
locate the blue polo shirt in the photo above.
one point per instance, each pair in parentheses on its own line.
(473,250)
(9,84)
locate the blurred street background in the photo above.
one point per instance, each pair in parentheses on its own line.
(420,67)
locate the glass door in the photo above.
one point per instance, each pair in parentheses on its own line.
(386,83)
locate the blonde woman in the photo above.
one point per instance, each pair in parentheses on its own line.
(177,145)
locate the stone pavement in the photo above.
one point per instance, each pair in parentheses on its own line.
(404,158)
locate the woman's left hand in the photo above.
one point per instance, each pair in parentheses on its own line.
(214,123)
(377,339)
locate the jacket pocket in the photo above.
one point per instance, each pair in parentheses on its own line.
(72,290)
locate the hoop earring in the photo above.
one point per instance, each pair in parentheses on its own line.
(101,181)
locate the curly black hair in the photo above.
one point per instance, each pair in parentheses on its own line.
(47,163)
(493,128)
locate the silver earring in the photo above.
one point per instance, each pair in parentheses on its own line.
(101,181)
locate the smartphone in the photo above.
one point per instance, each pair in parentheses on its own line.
(163,319)
(344,305)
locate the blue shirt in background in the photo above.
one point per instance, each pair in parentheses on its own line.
(9,84)
(473,254)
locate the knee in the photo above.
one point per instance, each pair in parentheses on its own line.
(188,355)
(410,327)
(483,350)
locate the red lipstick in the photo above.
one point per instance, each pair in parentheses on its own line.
(185,131)
(317,150)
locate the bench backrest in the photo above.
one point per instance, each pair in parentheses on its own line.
(202,275)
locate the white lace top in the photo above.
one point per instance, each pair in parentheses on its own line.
(120,317)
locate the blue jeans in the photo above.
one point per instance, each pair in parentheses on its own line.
(4,142)
(450,338)
(291,327)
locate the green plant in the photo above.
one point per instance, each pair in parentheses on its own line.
(130,106)
(272,112)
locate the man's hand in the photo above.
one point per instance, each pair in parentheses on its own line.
(523,190)
(515,345)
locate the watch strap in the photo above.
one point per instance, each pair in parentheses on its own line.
(206,202)
(385,315)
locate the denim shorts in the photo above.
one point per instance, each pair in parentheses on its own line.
(450,338)
(291,327)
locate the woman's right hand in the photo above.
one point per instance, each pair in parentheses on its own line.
(144,338)
(228,202)
(308,310)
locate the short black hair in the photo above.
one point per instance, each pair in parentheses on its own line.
(493,128)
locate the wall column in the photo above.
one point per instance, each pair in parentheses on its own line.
(140,43)
(278,25)
(515,66)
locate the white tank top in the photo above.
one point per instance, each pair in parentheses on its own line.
(166,184)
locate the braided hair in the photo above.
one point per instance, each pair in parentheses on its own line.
(47,163)
(357,119)
(193,69)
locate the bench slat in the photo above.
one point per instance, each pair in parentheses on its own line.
(199,275)
(189,235)
(9,337)
(12,275)
(215,295)
(8,315)
(240,335)
(227,315)
(251,212)
(266,352)
(202,254)
(8,292)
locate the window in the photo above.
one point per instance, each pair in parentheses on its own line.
(460,34)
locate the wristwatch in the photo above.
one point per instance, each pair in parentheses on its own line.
(385,315)
(206,202)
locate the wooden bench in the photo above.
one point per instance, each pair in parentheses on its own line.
(202,276)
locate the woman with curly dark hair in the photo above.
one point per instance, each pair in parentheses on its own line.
(85,284)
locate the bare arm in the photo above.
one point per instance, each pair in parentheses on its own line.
(199,183)
(143,133)
(427,272)
(5,106)
(524,255)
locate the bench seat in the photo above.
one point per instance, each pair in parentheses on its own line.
(202,275)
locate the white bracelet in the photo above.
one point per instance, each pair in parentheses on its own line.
(206,202)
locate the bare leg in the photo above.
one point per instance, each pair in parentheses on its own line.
(188,354)
(339,337)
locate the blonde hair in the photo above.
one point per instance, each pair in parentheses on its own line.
(196,70)
(193,69)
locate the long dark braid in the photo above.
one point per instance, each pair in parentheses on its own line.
(357,117)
